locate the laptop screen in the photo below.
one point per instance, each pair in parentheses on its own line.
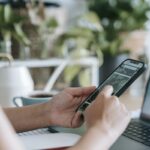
(146,104)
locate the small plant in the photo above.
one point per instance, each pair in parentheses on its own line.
(11,27)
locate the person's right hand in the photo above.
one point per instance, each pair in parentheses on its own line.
(108,114)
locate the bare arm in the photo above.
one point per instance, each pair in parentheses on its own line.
(8,138)
(101,118)
(60,111)
(28,118)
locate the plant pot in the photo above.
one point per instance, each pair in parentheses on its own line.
(110,63)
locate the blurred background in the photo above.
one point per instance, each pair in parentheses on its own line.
(103,31)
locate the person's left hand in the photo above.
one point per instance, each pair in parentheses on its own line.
(62,108)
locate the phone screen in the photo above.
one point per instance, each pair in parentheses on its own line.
(118,79)
(121,76)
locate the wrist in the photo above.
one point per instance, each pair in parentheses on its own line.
(108,134)
(47,115)
(103,136)
(99,136)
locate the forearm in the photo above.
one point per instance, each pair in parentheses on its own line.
(95,139)
(8,138)
(28,118)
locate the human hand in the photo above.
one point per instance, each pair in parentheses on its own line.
(108,114)
(62,108)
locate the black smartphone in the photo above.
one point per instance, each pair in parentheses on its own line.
(121,78)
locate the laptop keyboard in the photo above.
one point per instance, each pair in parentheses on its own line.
(139,132)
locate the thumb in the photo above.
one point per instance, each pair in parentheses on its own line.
(107,91)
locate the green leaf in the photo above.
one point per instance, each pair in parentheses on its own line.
(21,34)
(1,14)
(78,53)
(70,73)
(90,21)
(6,35)
(7,13)
(52,23)
(84,77)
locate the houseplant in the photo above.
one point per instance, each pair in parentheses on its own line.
(11,28)
(80,40)
(41,27)
(118,18)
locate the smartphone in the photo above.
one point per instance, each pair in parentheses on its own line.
(121,78)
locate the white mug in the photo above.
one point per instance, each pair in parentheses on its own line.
(34,97)
(14,81)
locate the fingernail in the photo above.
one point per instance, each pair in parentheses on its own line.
(108,87)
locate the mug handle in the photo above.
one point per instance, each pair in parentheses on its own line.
(15,101)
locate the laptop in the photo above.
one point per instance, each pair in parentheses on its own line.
(137,134)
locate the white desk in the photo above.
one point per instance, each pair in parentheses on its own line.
(42,139)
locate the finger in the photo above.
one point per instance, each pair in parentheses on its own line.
(77,120)
(115,99)
(107,91)
(80,91)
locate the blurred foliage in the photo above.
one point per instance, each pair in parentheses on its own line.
(118,16)
(16,25)
(45,26)
(114,18)
(80,40)
(11,25)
